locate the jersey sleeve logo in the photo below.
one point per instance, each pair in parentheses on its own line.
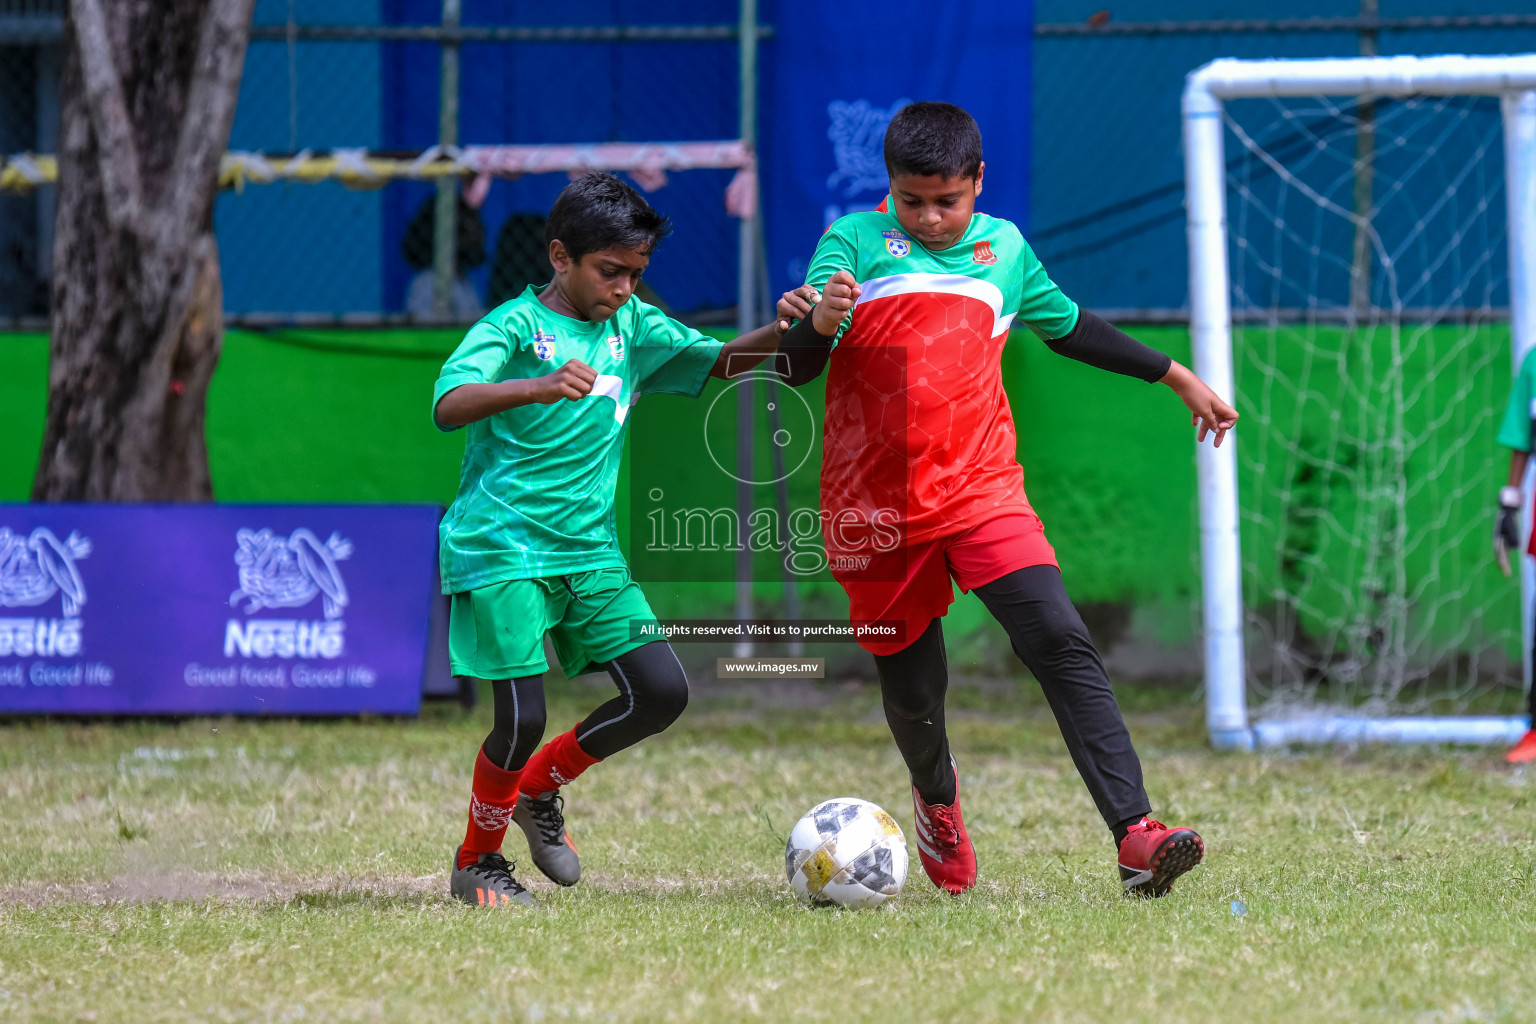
(543,345)
(616,346)
(896,243)
(983,254)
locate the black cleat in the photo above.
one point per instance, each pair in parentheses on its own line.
(542,820)
(487,883)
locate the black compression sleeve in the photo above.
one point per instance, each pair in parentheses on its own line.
(519,721)
(1099,343)
(807,352)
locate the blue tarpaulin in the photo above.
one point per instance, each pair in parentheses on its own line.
(833,76)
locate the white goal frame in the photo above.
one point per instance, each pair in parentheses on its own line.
(1513,79)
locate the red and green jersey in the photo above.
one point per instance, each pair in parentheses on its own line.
(918,429)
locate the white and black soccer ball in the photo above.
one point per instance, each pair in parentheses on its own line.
(846,852)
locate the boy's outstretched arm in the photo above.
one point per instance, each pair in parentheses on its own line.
(747,350)
(1506,529)
(1095,341)
(806,351)
(1209,413)
(470,402)
(808,344)
(805,345)
(1517,432)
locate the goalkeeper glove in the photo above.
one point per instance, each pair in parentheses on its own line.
(1506,533)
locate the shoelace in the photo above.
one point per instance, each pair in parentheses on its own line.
(493,867)
(1153,826)
(549,818)
(944,831)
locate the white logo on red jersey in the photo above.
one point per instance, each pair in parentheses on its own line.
(946,284)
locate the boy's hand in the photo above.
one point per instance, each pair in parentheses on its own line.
(571,382)
(796,305)
(1209,413)
(837,298)
(1506,531)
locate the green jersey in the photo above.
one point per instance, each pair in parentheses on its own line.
(1520,414)
(536,492)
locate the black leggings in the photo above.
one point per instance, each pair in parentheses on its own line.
(653,691)
(1049,637)
(1530,696)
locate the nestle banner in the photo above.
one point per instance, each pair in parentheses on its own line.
(214,609)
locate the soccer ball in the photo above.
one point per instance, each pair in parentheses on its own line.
(846,852)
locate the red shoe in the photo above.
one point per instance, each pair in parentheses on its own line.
(942,844)
(1523,752)
(1152,855)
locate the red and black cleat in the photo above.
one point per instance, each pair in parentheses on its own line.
(1152,856)
(1523,752)
(942,843)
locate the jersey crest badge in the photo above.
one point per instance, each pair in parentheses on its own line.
(616,346)
(983,254)
(543,345)
(896,243)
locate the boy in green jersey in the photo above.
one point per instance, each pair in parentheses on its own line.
(545,383)
(1516,433)
(918,430)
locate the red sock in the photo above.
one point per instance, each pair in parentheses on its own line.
(557,764)
(493,794)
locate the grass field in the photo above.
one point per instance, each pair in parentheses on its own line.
(236,870)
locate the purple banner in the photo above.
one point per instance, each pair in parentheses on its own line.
(214,609)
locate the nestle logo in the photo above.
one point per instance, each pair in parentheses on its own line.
(45,638)
(34,568)
(284,638)
(290,572)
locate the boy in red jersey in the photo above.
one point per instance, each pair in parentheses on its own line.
(912,304)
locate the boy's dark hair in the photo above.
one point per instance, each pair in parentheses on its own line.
(598,211)
(933,139)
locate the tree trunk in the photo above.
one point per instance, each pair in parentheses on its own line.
(147,99)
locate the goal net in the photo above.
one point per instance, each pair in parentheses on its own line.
(1361,242)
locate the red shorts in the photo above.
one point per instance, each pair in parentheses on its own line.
(909,587)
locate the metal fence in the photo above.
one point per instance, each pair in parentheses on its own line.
(29,75)
(1107,195)
(367,75)
(1107,205)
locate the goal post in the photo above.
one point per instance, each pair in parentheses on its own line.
(1512,79)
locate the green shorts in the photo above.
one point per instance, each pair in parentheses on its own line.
(497,631)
